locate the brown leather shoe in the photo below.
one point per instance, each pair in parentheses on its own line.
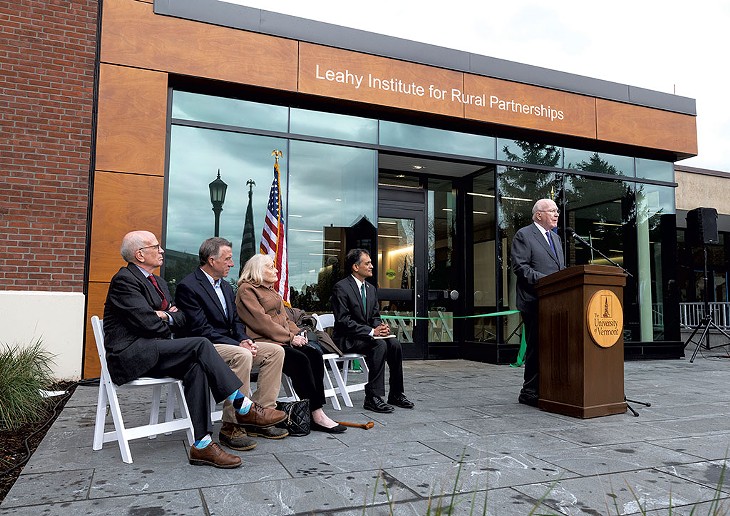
(261,417)
(272,432)
(235,437)
(213,455)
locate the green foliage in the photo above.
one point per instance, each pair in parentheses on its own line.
(24,371)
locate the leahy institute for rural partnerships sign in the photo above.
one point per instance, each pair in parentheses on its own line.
(359,77)
(439,94)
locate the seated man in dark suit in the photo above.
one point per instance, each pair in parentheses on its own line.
(209,305)
(358,329)
(139,319)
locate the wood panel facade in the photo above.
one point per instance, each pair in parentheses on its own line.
(645,127)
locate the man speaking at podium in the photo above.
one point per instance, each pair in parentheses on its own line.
(536,252)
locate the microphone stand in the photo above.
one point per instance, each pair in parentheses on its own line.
(583,241)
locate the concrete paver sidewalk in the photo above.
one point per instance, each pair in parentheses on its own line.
(467,435)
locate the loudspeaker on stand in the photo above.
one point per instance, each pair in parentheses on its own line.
(702,226)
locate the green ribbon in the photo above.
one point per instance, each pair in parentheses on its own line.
(523,343)
(493,314)
(521,353)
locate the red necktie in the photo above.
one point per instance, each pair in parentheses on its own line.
(164,305)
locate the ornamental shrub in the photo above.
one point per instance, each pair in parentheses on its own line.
(24,372)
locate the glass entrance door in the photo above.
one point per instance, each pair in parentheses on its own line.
(401,267)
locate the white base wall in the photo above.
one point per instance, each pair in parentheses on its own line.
(57,318)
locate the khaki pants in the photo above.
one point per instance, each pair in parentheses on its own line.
(269,359)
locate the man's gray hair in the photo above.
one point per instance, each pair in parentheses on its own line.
(540,205)
(253,271)
(211,248)
(131,243)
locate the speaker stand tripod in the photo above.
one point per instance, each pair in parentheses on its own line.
(707,322)
(706,325)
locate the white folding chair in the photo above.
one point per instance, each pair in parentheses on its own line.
(215,414)
(108,397)
(331,363)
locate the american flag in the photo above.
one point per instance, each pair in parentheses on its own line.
(273,240)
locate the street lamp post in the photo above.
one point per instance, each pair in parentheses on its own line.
(217,198)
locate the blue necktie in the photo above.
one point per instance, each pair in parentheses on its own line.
(550,241)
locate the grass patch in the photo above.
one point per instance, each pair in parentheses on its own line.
(455,502)
(24,371)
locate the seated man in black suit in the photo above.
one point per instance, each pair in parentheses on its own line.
(138,322)
(209,305)
(358,329)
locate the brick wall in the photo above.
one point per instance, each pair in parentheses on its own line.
(47,52)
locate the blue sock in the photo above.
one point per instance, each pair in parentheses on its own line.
(240,402)
(202,443)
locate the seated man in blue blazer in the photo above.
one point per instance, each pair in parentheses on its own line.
(359,329)
(209,305)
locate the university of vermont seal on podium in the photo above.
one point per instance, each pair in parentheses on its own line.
(605,318)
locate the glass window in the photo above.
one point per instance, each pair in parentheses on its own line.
(332,207)
(518,189)
(657,170)
(397,274)
(483,214)
(626,225)
(599,162)
(655,228)
(443,258)
(481,203)
(599,212)
(521,151)
(196,156)
(225,111)
(331,125)
(436,140)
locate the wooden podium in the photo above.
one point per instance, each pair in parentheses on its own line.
(581,341)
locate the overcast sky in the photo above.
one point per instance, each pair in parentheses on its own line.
(664,45)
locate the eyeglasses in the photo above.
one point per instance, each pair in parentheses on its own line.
(551,211)
(157,247)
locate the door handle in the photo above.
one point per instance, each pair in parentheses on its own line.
(415,296)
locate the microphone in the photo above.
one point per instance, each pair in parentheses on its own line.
(571,232)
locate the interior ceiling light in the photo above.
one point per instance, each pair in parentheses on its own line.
(491,196)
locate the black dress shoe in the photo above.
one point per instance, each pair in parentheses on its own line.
(376,404)
(338,429)
(400,400)
(528,399)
